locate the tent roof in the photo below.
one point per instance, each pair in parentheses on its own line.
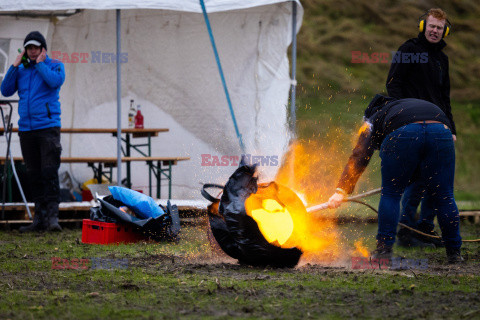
(183,5)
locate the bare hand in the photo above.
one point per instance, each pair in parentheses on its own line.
(18,59)
(42,56)
(454,137)
(336,200)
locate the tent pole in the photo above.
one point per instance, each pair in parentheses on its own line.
(119,103)
(222,77)
(293,116)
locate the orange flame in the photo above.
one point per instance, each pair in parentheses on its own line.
(363,128)
(274,221)
(360,249)
(283,220)
(312,169)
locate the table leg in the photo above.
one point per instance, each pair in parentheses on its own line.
(150,169)
(149,145)
(127,147)
(159,178)
(169,180)
(100,173)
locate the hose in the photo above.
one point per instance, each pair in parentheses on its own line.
(405,226)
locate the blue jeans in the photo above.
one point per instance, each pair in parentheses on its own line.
(414,195)
(428,147)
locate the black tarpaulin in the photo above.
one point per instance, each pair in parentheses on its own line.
(238,234)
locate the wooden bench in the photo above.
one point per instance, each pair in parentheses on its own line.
(98,163)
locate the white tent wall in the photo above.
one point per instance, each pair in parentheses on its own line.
(171,73)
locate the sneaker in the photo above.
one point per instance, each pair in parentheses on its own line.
(454,256)
(406,238)
(383,251)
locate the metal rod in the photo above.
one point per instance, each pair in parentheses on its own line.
(293,115)
(119,102)
(324,206)
(293,86)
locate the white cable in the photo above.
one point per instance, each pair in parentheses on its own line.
(19,185)
(13,167)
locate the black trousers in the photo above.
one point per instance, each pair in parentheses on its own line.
(41,150)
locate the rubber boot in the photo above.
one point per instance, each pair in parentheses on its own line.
(454,256)
(383,251)
(52,217)
(38,223)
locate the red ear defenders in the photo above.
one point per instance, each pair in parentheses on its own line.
(422,22)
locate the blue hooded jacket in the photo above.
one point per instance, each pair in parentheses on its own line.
(38,87)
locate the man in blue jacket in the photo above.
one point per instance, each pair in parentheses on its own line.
(38,79)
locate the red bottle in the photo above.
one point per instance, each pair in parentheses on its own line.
(138,119)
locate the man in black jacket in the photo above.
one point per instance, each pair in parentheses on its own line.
(420,70)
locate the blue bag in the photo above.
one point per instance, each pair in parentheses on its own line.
(143,205)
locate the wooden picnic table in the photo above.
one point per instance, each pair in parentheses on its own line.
(129,144)
(157,166)
(143,149)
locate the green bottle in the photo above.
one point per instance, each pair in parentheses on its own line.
(24,58)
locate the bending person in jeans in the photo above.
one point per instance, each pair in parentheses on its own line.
(410,134)
(38,79)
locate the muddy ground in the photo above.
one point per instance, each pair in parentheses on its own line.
(188,279)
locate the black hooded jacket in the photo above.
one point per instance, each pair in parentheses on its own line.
(420,70)
(383,116)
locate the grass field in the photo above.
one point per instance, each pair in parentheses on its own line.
(187,280)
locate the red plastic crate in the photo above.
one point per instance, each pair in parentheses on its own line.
(108,233)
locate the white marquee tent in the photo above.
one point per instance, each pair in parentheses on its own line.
(170,70)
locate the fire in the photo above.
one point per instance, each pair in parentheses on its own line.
(361,249)
(311,171)
(283,221)
(366,126)
(274,221)
(274,208)
(312,168)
